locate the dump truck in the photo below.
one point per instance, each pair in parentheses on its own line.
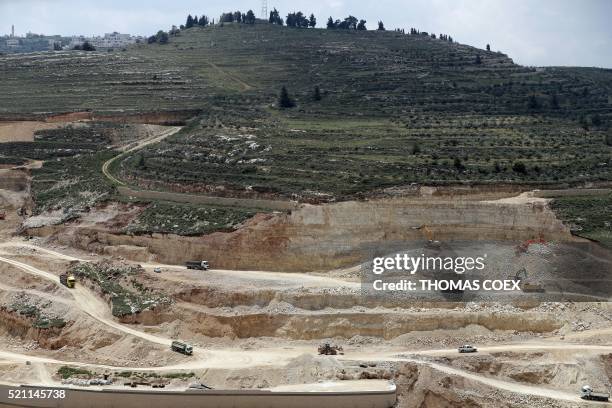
(200,265)
(329,350)
(67,280)
(587,393)
(182,347)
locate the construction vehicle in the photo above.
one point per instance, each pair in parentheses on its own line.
(67,280)
(199,265)
(587,393)
(525,284)
(329,350)
(182,347)
(524,246)
(431,244)
(466,348)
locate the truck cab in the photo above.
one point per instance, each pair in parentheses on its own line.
(587,393)
(67,280)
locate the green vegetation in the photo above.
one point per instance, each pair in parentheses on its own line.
(588,216)
(25,309)
(333,158)
(45,323)
(66,372)
(393,109)
(71,184)
(187,219)
(127,295)
(181,376)
(41,321)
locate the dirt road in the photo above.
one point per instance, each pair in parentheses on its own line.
(155,139)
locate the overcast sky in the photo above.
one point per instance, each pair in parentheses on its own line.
(532,32)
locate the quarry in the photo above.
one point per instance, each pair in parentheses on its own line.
(167,232)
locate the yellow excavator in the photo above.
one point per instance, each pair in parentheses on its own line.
(428,234)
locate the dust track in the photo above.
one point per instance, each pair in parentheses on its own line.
(155,139)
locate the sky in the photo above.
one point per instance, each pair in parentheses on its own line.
(532,32)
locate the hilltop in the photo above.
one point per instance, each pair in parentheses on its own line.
(395,109)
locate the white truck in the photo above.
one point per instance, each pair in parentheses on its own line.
(200,265)
(587,393)
(182,347)
(466,348)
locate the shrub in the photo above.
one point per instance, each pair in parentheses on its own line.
(519,167)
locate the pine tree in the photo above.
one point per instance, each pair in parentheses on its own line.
(195,20)
(284,101)
(312,21)
(554,101)
(275,17)
(488,47)
(362,25)
(189,22)
(250,17)
(381,26)
(532,103)
(330,23)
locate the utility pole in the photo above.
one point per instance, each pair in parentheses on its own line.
(264,9)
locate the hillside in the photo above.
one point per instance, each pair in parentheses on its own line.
(395,109)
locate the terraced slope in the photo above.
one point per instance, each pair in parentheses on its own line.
(395,109)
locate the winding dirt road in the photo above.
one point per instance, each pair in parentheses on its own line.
(155,139)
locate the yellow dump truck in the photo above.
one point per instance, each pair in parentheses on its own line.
(67,280)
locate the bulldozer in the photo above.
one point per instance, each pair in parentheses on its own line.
(525,283)
(327,349)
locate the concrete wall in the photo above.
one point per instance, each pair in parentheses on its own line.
(77,398)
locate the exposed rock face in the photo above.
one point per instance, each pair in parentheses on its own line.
(20,326)
(14,180)
(331,235)
(347,325)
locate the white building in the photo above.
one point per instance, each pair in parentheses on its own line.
(110,40)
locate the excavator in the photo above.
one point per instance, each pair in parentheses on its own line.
(525,284)
(429,235)
(327,349)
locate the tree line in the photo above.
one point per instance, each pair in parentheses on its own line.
(299,20)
